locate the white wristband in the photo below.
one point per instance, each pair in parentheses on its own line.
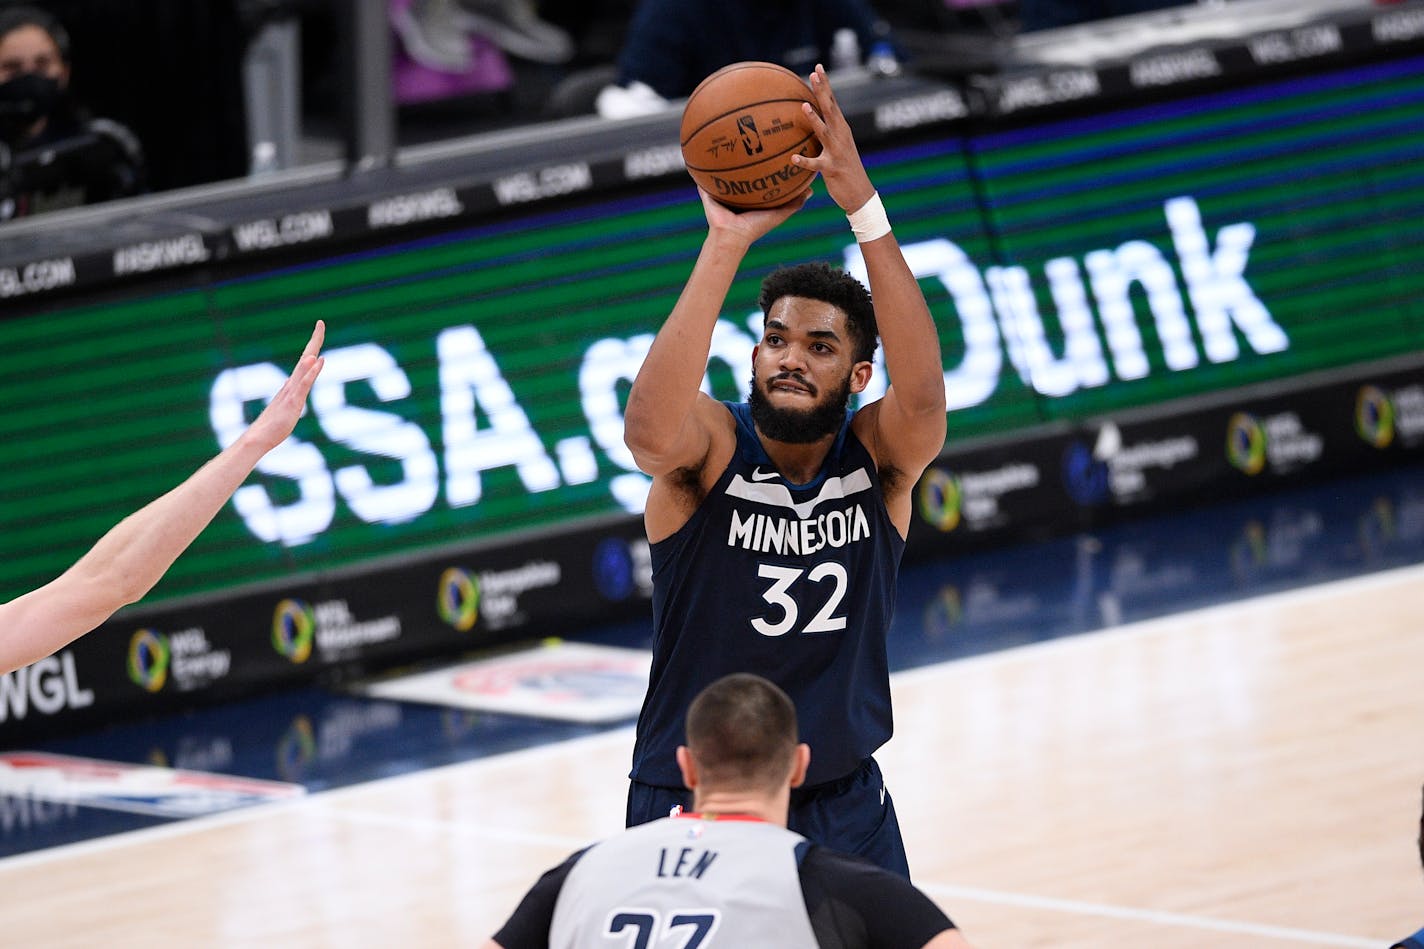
(869,221)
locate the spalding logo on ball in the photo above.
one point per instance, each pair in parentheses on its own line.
(740,127)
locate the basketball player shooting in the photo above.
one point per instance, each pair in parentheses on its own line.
(777,524)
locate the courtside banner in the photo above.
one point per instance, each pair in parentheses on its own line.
(575,682)
(136,789)
(1188,452)
(979,495)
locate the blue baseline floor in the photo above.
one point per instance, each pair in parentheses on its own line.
(948,609)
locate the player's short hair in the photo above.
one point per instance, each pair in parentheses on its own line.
(741,731)
(820,281)
(12,18)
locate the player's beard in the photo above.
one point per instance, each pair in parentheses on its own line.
(798,426)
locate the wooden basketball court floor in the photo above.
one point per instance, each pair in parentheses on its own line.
(1243,773)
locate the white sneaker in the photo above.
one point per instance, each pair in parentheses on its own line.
(637,99)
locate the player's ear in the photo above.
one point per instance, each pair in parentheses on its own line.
(803,761)
(860,374)
(687,766)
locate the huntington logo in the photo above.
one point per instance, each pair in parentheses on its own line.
(1085,476)
(148,660)
(458,598)
(293,630)
(613,568)
(940,499)
(1374,416)
(1246,443)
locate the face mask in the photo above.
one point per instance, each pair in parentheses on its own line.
(24,100)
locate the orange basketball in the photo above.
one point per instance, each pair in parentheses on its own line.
(740,127)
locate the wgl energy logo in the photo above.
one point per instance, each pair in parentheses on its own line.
(1384,418)
(1279,441)
(1374,417)
(185,657)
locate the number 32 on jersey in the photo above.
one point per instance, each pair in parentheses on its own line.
(824,586)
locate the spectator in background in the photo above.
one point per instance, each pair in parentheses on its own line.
(54,154)
(516,27)
(436,33)
(672,45)
(1044,14)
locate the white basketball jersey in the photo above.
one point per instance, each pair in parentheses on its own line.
(686,882)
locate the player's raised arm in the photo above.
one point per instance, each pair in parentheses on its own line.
(128,560)
(910,419)
(661,426)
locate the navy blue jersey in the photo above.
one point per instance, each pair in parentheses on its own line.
(792,582)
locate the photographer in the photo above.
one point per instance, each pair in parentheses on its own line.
(52,153)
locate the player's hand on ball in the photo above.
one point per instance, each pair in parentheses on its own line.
(839,163)
(749,225)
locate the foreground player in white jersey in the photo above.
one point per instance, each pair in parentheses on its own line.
(729,873)
(133,556)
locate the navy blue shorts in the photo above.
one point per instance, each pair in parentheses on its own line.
(853,814)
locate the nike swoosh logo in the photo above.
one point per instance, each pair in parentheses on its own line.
(778,495)
(759,475)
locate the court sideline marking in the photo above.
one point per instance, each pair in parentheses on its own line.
(950,892)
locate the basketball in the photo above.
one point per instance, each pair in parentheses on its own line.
(740,127)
